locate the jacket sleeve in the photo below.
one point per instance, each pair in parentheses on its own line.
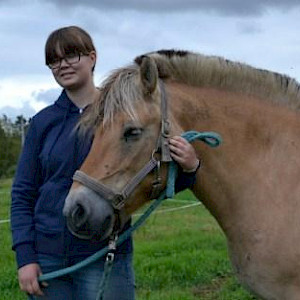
(184,180)
(24,193)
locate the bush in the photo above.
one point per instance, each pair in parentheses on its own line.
(10,173)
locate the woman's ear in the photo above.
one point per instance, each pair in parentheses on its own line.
(93,57)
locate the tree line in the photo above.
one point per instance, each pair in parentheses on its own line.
(12,135)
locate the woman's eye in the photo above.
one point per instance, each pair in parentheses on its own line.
(56,61)
(132,133)
(71,55)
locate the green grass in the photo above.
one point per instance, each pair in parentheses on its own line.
(179,255)
(9,288)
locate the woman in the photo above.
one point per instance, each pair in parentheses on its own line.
(51,154)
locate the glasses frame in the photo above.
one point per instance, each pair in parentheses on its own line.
(56,65)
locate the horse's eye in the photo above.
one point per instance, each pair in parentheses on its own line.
(132,133)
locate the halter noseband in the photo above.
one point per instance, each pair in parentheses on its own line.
(117,199)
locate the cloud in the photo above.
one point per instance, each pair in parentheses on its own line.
(38,100)
(256,32)
(221,7)
(248,28)
(46,96)
(229,7)
(12,112)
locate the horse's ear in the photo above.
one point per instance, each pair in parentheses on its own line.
(148,74)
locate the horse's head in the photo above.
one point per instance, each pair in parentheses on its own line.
(122,170)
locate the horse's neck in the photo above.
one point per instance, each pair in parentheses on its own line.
(246,169)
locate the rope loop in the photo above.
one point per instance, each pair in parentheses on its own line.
(212,139)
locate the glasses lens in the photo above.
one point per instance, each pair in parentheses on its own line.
(55,64)
(72,58)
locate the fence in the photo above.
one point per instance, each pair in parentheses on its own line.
(5,207)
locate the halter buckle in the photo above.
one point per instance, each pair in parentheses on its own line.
(118,201)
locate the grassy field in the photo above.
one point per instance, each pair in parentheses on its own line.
(180,254)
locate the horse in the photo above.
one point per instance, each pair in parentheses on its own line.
(249,184)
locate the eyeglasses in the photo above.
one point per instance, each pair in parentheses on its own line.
(71,59)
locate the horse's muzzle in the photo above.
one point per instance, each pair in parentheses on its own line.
(87,215)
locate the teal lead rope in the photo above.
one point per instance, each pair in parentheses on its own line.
(212,139)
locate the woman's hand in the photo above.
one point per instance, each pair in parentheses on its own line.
(28,279)
(183,153)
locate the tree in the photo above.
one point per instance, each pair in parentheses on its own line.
(11,141)
(3,151)
(21,125)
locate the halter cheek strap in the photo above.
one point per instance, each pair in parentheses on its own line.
(162,141)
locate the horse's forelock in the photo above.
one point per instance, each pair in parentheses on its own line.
(119,92)
(122,93)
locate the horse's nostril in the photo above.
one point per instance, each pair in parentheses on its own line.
(79,216)
(88,217)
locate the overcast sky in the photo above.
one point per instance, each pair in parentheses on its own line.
(262,33)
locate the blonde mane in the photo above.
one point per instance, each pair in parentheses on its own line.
(213,71)
(121,90)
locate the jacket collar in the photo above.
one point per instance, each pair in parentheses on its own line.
(64,102)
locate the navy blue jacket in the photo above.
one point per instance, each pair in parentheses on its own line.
(51,154)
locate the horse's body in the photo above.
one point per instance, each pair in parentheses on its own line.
(249,184)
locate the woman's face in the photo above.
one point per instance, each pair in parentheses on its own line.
(74,73)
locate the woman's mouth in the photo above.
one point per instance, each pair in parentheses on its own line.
(66,75)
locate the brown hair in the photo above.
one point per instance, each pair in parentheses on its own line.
(71,39)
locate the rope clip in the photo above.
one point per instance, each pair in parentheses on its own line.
(110,257)
(112,244)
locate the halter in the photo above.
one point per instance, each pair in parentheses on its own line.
(117,199)
(210,138)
